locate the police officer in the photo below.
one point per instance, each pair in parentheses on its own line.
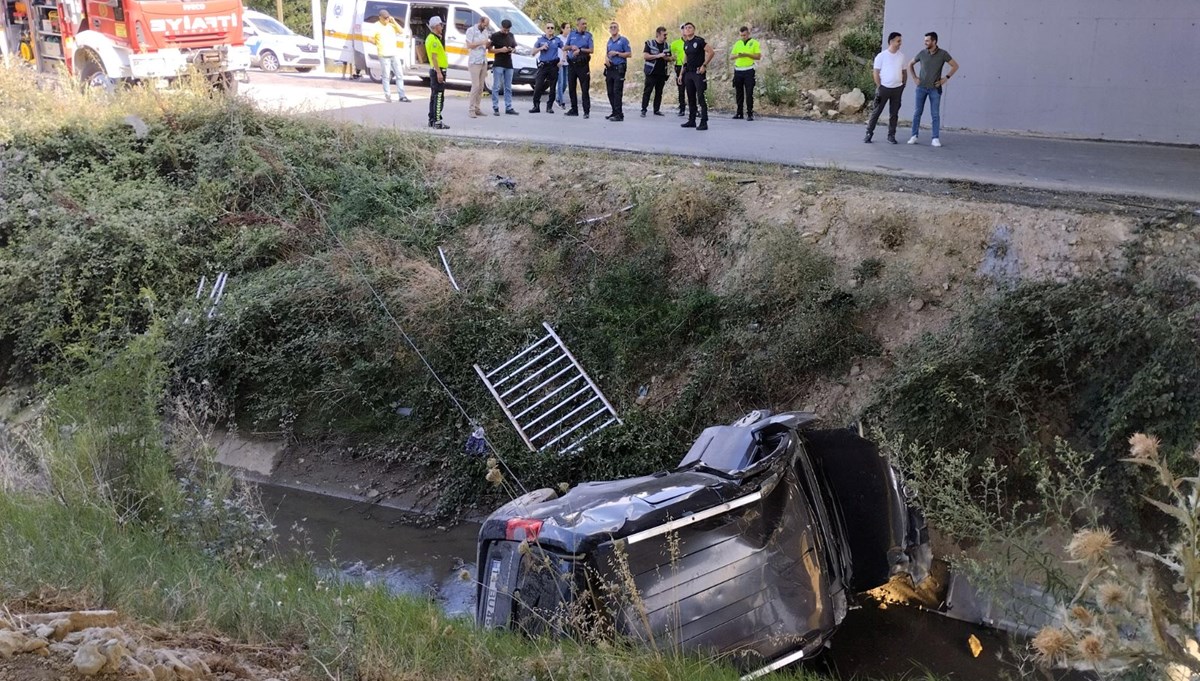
(677,51)
(745,52)
(697,55)
(657,55)
(579,54)
(547,49)
(436,51)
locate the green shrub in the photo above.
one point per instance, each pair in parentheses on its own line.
(778,90)
(1094,360)
(843,69)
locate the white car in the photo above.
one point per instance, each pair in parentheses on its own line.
(274,46)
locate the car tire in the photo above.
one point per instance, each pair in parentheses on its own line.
(226,83)
(268,61)
(303,69)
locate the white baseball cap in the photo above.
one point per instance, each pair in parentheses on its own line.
(435,20)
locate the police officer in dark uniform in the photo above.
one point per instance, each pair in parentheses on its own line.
(697,54)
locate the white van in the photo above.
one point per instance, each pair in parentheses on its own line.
(350,32)
(274,46)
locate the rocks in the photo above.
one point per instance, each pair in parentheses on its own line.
(89,660)
(852,102)
(11,643)
(821,99)
(831,113)
(916,304)
(372,493)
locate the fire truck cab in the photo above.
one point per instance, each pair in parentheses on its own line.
(102,42)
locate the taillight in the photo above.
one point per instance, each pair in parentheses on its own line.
(522,529)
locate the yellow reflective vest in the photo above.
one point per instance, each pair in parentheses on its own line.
(744,47)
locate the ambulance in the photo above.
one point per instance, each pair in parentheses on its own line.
(350,33)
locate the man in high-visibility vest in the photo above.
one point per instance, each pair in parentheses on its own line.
(388,34)
(436,51)
(745,53)
(677,50)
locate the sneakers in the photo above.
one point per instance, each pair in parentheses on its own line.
(438,125)
(749,117)
(936,142)
(912,140)
(867,139)
(738,117)
(892,139)
(405,99)
(703,126)
(511,112)
(495,112)
(689,124)
(387,96)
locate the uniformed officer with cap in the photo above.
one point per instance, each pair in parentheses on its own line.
(696,55)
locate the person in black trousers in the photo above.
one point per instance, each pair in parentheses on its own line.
(579,53)
(697,55)
(657,55)
(891,75)
(546,48)
(616,59)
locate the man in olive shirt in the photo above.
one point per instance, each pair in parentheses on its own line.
(929,84)
(745,53)
(436,52)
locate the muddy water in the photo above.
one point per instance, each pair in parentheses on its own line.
(371,543)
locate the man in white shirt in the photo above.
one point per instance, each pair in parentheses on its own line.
(891,75)
(478,37)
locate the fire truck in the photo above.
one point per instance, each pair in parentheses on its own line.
(103,42)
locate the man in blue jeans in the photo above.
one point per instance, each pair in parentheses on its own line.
(504,43)
(929,84)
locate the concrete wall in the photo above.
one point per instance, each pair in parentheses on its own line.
(1102,69)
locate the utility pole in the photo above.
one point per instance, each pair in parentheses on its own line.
(279,10)
(318,34)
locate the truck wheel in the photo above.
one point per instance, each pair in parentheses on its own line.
(267,61)
(226,82)
(92,74)
(303,69)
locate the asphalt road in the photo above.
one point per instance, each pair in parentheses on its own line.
(1155,171)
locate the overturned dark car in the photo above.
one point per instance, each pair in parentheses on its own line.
(750,548)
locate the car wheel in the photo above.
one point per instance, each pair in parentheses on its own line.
(267,61)
(225,82)
(303,69)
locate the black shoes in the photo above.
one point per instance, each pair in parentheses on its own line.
(737,117)
(586,114)
(495,112)
(438,125)
(572,112)
(537,110)
(680,113)
(689,124)
(892,139)
(511,112)
(644,113)
(658,113)
(867,139)
(703,125)
(749,117)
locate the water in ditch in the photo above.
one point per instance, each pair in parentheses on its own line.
(372,543)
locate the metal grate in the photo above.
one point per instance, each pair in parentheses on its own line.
(548,397)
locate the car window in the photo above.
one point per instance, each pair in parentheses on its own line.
(463,18)
(521,24)
(398,10)
(269,26)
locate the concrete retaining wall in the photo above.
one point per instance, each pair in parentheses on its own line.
(1102,69)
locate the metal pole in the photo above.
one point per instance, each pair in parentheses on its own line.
(447,266)
(318,33)
(279,10)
